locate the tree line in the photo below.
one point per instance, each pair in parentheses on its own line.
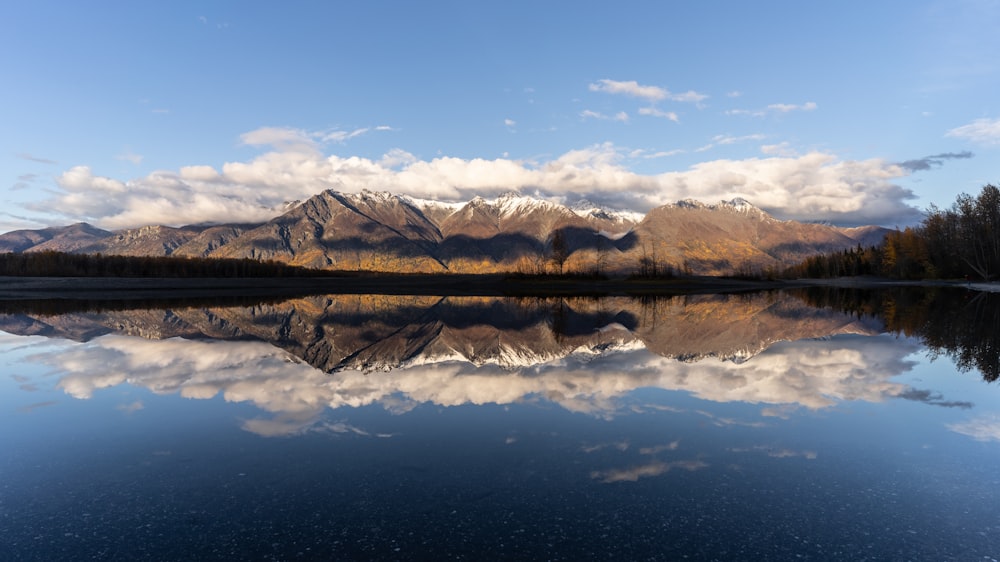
(62,264)
(962,241)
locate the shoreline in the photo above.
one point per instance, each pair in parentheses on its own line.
(141,288)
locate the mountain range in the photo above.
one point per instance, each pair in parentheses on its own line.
(379,231)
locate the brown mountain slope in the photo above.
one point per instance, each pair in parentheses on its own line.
(732,237)
(80,237)
(383,232)
(368,231)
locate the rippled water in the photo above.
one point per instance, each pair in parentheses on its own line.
(766,426)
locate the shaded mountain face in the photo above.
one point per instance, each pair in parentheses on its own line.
(378,231)
(379,333)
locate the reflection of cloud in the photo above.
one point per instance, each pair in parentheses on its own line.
(814,375)
(932,398)
(634,473)
(783,411)
(981,428)
(619,445)
(672,446)
(722,422)
(303,422)
(776,452)
(130,408)
(36,405)
(280,426)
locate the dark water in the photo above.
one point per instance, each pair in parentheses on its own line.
(816,426)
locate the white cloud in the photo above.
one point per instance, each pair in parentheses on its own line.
(651,93)
(985,131)
(129,156)
(661,154)
(282,138)
(341,136)
(787,107)
(590,114)
(689,96)
(751,113)
(730,139)
(780,149)
(288,139)
(629,88)
(509,123)
(813,186)
(773,108)
(656,112)
(396,158)
(734,94)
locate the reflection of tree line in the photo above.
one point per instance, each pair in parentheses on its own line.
(960,324)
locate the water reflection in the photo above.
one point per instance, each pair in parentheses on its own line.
(766,426)
(960,324)
(297,358)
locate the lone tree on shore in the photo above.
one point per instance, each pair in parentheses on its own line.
(559,250)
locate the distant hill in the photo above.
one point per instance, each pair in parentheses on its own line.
(379,231)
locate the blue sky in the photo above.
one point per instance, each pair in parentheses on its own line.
(128,113)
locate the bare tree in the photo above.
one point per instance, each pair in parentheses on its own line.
(559,252)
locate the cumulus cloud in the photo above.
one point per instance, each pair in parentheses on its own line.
(983,131)
(816,186)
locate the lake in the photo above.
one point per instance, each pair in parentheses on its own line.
(812,424)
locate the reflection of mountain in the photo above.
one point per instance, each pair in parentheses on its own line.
(585,355)
(367,332)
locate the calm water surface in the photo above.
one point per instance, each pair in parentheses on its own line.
(814,426)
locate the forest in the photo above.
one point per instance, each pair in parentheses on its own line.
(62,264)
(961,242)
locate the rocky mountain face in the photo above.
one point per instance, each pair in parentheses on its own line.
(378,231)
(380,333)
